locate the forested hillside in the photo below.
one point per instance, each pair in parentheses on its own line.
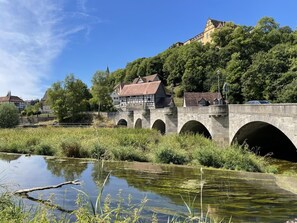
(257,63)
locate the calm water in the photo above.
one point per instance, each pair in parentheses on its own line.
(246,197)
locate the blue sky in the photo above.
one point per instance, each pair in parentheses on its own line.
(41,41)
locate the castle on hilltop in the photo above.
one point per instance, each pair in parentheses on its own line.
(205,36)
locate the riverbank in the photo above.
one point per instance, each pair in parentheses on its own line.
(130,145)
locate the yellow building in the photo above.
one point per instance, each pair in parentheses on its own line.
(205,36)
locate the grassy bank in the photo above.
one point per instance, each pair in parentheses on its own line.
(129,145)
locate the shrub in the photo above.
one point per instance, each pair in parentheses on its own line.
(71,148)
(45,149)
(9,116)
(32,142)
(168,155)
(98,152)
(209,156)
(128,154)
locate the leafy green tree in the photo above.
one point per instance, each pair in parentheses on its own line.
(77,96)
(118,76)
(221,37)
(33,109)
(56,99)
(174,68)
(101,91)
(9,115)
(289,93)
(69,98)
(234,70)
(194,76)
(155,66)
(132,70)
(142,68)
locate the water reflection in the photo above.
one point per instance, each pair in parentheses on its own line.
(9,157)
(247,197)
(70,169)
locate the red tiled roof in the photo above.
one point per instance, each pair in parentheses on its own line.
(140,89)
(11,99)
(193,98)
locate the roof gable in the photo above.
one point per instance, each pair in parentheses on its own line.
(196,98)
(145,79)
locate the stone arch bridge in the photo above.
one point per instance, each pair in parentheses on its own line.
(273,127)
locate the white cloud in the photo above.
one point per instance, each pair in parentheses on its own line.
(32,34)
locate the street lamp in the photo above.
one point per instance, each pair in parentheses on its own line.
(218,73)
(225,90)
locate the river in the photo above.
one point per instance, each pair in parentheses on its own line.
(242,196)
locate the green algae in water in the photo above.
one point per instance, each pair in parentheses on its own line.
(247,197)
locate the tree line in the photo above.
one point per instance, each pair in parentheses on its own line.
(256,62)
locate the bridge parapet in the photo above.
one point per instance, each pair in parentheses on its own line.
(212,110)
(218,110)
(267,109)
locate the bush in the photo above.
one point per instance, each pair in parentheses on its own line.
(168,155)
(9,116)
(128,154)
(71,148)
(46,150)
(232,158)
(208,156)
(98,152)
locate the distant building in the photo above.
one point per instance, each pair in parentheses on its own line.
(147,94)
(146,79)
(205,36)
(115,95)
(17,101)
(202,99)
(45,108)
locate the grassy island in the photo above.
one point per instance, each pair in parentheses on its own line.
(130,145)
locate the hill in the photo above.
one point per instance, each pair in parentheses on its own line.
(257,62)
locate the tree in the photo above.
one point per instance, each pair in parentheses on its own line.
(174,68)
(289,93)
(132,69)
(101,91)
(194,76)
(234,70)
(32,109)
(68,98)
(9,115)
(118,76)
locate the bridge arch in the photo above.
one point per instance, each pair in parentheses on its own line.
(266,139)
(160,126)
(138,123)
(195,127)
(122,123)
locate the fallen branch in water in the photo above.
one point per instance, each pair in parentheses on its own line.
(25,191)
(47,203)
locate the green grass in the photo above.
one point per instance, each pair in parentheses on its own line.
(130,145)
